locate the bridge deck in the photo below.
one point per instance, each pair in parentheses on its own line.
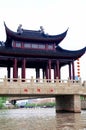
(40,87)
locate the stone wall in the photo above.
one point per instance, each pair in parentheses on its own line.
(68,103)
(83,104)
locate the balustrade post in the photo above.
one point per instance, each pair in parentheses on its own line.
(19,79)
(57,81)
(44,80)
(84,83)
(68,82)
(5,81)
(32,80)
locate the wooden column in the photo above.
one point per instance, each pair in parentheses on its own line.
(23,68)
(37,73)
(49,62)
(8,72)
(43,71)
(46,72)
(73,70)
(57,69)
(15,69)
(70,70)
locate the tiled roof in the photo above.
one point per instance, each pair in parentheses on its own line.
(34,36)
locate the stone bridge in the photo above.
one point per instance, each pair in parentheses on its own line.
(66,92)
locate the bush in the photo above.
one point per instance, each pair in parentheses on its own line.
(2,101)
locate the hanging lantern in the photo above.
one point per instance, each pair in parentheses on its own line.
(78,67)
(78,72)
(78,62)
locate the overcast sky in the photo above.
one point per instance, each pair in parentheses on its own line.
(54,15)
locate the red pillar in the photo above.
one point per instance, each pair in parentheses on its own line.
(15,69)
(8,72)
(49,63)
(37,73)
(43,71)
(73,70)
(70,70)
(46,72)
(57,69)
(23,68)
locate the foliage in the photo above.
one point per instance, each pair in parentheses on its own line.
(2,101)
(83,97)
(47,104)
(30,105)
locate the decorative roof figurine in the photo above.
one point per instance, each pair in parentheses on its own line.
(20,30)
(41,29)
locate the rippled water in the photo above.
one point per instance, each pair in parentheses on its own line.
(41,119)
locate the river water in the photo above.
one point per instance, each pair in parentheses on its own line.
(41,119)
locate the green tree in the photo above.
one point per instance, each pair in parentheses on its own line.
(2,101)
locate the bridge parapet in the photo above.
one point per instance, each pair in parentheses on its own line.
(84,84)
(26,87)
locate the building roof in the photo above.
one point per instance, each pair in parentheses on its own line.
(34,36)
(58,54)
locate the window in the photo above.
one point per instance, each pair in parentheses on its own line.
(50,47)
(34,45)
(18,44)
(27,45)
(41,46)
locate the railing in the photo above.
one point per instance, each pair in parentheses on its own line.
(39,80)
(17,86)
(42,81)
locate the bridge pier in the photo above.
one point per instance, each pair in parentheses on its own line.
(68,103)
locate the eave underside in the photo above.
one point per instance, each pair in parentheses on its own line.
(59,53)
(35,57)
(31,62)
